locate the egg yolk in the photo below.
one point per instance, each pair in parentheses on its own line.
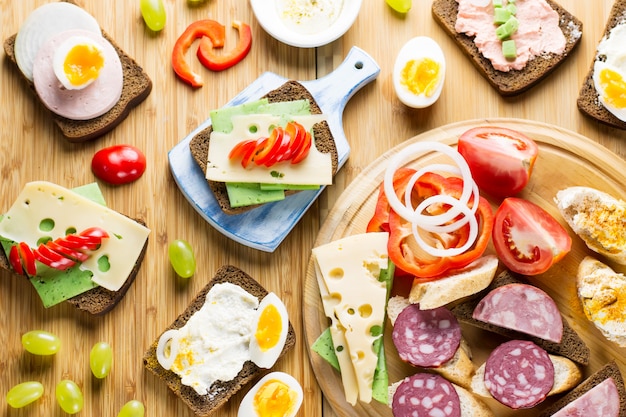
(83,64)
(614,87)
(420,76)
(274,399)
(269,328)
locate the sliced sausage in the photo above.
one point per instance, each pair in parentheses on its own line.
(602,400)
(524,308)
(426,338)
(519,374)
(426,395)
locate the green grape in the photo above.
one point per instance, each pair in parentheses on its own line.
(133,408)
(182,258)
(101,359)
(400,6)
(41,342)
(153,13)
(69,396)
(24,394)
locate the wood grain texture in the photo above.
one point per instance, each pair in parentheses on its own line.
(31,148)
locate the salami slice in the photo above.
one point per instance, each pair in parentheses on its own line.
(426,395)
(602,400)
(426,338)
(524,308)
(519,374)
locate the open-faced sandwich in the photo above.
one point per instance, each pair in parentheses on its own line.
(513,43)
(71,246)
(262,151)
(230,332)
(76,70)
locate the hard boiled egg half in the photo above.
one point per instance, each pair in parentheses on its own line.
(77,62)
(610,83)
(419,72)
(277,394)
(270,330)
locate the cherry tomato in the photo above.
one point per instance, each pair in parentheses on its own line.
(527,239)
(118,164)
(501,160)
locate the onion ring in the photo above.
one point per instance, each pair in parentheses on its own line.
(171,336)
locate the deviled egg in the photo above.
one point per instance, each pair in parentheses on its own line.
(419,72)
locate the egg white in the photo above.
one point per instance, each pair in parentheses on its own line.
(416,49)
(267,359)
(619,112)
(247,409)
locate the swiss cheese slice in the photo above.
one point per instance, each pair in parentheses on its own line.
(60,210)
(354,299)
(315,169)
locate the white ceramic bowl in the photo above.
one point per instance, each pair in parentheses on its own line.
(268,14)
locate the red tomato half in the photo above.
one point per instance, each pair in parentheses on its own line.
(527,239)
(118,164)
(501,160)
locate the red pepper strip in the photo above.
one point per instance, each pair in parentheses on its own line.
(28,259)
(15,261)
(202,28)
(405,253)
(219,62)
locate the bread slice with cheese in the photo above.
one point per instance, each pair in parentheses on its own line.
(602,293)
(571,345)
(455,285)
(220,391)
(513,82)
(137,87)
(460,368)
(289,91)
(597,218)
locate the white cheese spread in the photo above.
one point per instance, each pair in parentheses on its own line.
(309,16)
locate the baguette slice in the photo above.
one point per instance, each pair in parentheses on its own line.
(289,91)
(513,82)
(587,101)
(610,370)
(566,376)
(137,87)
(220,392)
(571,346)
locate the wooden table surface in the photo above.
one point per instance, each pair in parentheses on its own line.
(374,121)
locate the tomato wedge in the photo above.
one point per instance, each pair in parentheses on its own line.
(501,160)
(527,239)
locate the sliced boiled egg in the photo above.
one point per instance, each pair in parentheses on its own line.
(277,394)
(419,72)
(610,83)
(269,331)
(77,62)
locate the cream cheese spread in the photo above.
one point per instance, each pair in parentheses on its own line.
(309,16)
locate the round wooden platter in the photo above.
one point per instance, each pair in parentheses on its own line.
(565,159)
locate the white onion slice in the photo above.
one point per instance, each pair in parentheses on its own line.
(168,336)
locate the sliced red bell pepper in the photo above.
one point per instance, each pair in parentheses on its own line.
(206,28)
(52,259)
(28,259)
(15,261)
(219,62)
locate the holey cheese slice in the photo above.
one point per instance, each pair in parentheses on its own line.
(354,300)
(58,209)
(315,169)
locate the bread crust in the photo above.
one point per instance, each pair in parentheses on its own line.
(289,91)
(137,87)
(513,82)
(220,391)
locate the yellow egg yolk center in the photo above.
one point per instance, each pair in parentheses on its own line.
(83,64)
(614,87)
(274,399)
(420,76)
(269,329)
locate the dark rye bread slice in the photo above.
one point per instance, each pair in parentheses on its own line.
(97,301)
(610,370)
(513,82)
(588,102)
(137,87)
(289,91)
(220,391)
(571,346)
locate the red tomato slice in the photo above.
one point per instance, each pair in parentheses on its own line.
(501,160)
(527,239)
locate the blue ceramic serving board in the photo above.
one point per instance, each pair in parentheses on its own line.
(265,227)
